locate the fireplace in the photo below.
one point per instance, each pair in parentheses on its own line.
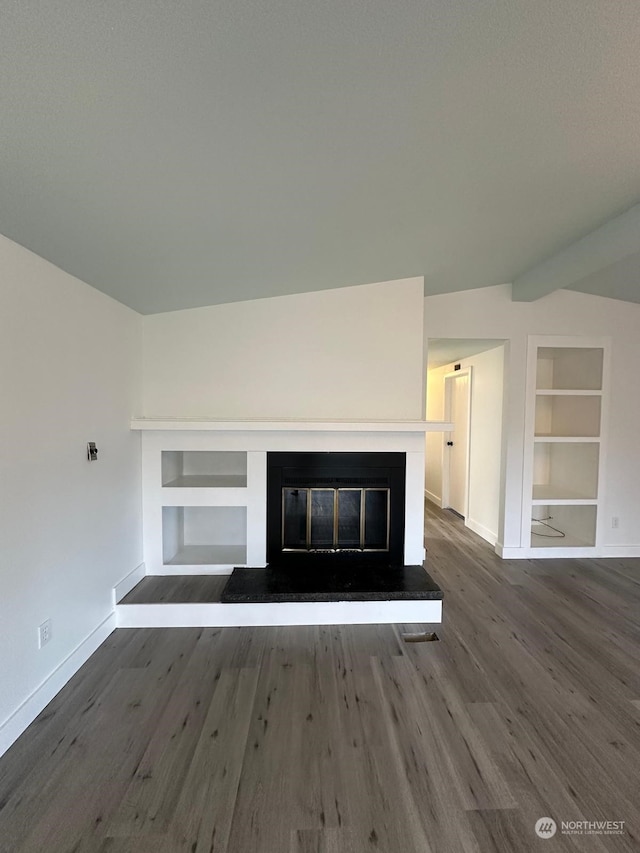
(335,509)
(297,510)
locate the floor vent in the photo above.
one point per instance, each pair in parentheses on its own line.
(423,637)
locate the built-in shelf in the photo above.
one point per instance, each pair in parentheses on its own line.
(568,415)
(204,555)
(204,535)
(568,541)
(565,471)
(202,469)
(577,523)
(564,443)
(569,368)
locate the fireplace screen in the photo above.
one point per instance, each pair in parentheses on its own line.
(327,520)
(327,509)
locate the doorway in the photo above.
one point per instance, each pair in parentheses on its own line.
(465,385)
(455,469)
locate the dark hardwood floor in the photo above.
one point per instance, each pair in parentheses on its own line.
(346,739)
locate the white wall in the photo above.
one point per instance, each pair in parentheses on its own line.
(490,313)
(69,530)
(485,439)
(354,353)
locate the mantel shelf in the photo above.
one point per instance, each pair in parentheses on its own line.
(292,425)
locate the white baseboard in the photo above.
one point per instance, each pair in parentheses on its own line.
(127,583)
(433,498)
(180,571)
(604,552)
(481,530)
(510,553)
(624,551)
(506,552)
(26,713)
(298,613)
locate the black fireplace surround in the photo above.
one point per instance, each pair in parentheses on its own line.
(335,533)
(335,509)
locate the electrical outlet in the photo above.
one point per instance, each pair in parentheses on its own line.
(44,633)
(615,522)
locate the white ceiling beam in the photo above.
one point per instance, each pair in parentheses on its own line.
(616,239)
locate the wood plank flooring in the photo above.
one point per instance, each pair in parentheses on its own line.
(173,589)
(345,739)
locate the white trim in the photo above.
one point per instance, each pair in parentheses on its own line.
(128,582)
(419,426)
(602,527)
(433,498)
(206,569)
(272,614)
(26,713)
(414,506)
(608,551)
(481,530)
(529,442)
(604,552)
(204,496)
(508,553)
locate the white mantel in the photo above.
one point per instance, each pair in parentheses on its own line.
(289,425)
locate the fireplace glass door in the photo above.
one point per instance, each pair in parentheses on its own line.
(329,519)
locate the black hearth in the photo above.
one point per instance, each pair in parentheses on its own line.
(335,509)
(273,585)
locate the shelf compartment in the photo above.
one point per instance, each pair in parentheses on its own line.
(204,535)
(574,368)
(565,472)
(578,415)
(577,523)
(204,469)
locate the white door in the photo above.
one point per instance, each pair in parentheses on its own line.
(458,442)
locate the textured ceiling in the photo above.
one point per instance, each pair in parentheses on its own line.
(183,154)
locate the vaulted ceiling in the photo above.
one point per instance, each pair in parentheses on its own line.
(183,154)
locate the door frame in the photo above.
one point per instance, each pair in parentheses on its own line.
(449,378)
